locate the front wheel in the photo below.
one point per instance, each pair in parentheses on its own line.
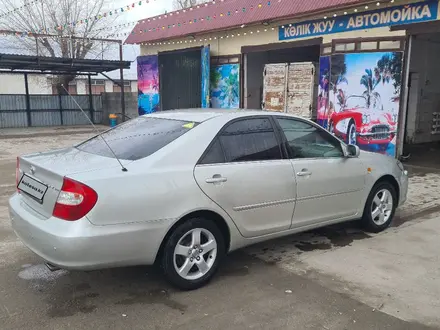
(380,207)
(193,253)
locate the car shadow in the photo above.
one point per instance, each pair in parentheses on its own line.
(69,293)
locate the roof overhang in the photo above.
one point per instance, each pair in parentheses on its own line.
(418,28)
(282,45)
(291,9)
(55,65)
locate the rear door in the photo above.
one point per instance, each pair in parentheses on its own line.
(244,172)
(329,185)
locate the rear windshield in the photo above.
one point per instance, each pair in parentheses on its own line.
(137,138)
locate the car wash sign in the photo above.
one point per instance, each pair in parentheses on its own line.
(405,14)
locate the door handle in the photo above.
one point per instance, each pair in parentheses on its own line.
(304,172)
(216,179)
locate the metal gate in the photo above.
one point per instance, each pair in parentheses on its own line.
(180,79)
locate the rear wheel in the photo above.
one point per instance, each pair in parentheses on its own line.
(380,207)
(193,253)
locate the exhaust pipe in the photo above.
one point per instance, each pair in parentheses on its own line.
(51,267)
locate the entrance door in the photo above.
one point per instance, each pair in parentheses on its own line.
(180,79)
(413,104)
(184,79)
(244,173)
(275,87)
(329,185)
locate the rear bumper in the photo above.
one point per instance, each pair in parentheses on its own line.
(79,245)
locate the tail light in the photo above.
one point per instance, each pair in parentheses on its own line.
(74,201)
(17,174)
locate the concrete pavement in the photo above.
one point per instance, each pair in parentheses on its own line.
(29,132)
(333,278)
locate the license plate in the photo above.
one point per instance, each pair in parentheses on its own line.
(32,187)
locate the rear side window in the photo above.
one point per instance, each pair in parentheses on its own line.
(137,138)
(244,141)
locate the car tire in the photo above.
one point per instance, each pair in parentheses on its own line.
(380,207)
(189,263)
(350,129)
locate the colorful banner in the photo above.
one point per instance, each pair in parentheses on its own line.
(15,9)
(323,91)
(225,86)
(364,99)
(213,16)
(404,14)
(205,76)
(148,84)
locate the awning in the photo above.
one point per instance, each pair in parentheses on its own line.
(55,65)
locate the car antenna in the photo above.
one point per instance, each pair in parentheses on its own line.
(96,129)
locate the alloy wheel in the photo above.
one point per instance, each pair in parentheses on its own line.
(195,254)
(382,207)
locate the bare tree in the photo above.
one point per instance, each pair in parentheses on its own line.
(63,18)
(181,4)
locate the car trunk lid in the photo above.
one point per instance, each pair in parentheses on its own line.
(41,175)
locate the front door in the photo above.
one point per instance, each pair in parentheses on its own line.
(329,185)
(244,172)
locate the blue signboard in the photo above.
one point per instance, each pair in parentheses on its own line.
(405,14)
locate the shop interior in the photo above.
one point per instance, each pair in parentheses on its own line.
(422,134)
(256,57)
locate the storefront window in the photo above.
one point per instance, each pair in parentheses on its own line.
(389,44)
(345,47)
(368,45)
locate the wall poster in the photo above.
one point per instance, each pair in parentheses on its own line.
(323,91)
(148,84)
(205,62)
(225,86)
(364,98)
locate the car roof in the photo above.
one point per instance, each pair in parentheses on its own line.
(200,115)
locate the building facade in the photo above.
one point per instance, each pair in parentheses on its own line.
(373,64)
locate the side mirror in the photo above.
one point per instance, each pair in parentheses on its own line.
(353,151)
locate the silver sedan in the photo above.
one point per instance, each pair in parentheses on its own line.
(183,188)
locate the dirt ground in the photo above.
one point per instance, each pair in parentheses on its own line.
(333,278)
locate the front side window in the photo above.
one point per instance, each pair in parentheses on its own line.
(245,141)
(307,141)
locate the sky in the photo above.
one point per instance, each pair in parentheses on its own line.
(153,8)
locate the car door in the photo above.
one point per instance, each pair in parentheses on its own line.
(329,184)
(244,172)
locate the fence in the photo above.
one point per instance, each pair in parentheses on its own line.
(48,110)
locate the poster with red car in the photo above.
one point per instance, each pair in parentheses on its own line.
(364,95)
(323,91)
